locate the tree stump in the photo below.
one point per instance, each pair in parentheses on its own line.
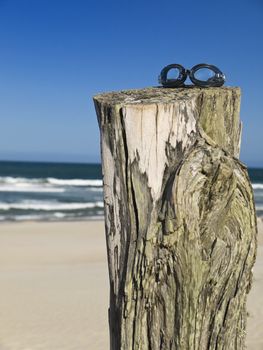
(180,218)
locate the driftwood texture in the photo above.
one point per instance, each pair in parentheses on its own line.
(180,218)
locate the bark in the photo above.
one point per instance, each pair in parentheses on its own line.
(179,216)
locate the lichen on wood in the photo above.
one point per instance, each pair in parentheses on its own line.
(179,217)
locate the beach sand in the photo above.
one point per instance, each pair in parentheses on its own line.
(54,288)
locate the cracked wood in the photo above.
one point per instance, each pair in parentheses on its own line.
(179,217)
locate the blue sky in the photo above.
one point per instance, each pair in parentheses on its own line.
(56,54)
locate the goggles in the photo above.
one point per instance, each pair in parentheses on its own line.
(204,75)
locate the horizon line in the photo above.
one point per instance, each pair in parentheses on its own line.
(80,163)
(47,161)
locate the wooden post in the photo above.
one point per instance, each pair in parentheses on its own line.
(180,218)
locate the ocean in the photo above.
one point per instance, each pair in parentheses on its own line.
(57,191)
(50,191)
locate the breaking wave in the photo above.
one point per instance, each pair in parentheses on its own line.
(50,184)
(49,206)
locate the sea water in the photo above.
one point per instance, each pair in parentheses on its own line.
(50,191)
(57,191)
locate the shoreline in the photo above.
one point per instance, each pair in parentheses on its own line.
(42,221)
(87,219)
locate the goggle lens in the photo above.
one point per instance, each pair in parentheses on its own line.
(173,74)
(204,74)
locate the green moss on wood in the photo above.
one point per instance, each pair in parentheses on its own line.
(179,263)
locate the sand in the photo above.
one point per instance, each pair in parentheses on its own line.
(54,288)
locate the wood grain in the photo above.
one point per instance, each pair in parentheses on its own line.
(179,216)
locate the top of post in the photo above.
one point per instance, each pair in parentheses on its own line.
(161,95)
(214,111)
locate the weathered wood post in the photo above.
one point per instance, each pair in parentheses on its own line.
(180,218)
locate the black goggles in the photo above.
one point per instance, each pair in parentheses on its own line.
(204,75)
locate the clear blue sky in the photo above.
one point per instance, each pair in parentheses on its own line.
(56,54)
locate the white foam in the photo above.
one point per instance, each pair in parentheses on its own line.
(96,189)
(17,180)
(30,188)
(74,182)
(28,217)
(59,215)
(51,217)
(49,206)
(35,217)
(257,186)
(21,184)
